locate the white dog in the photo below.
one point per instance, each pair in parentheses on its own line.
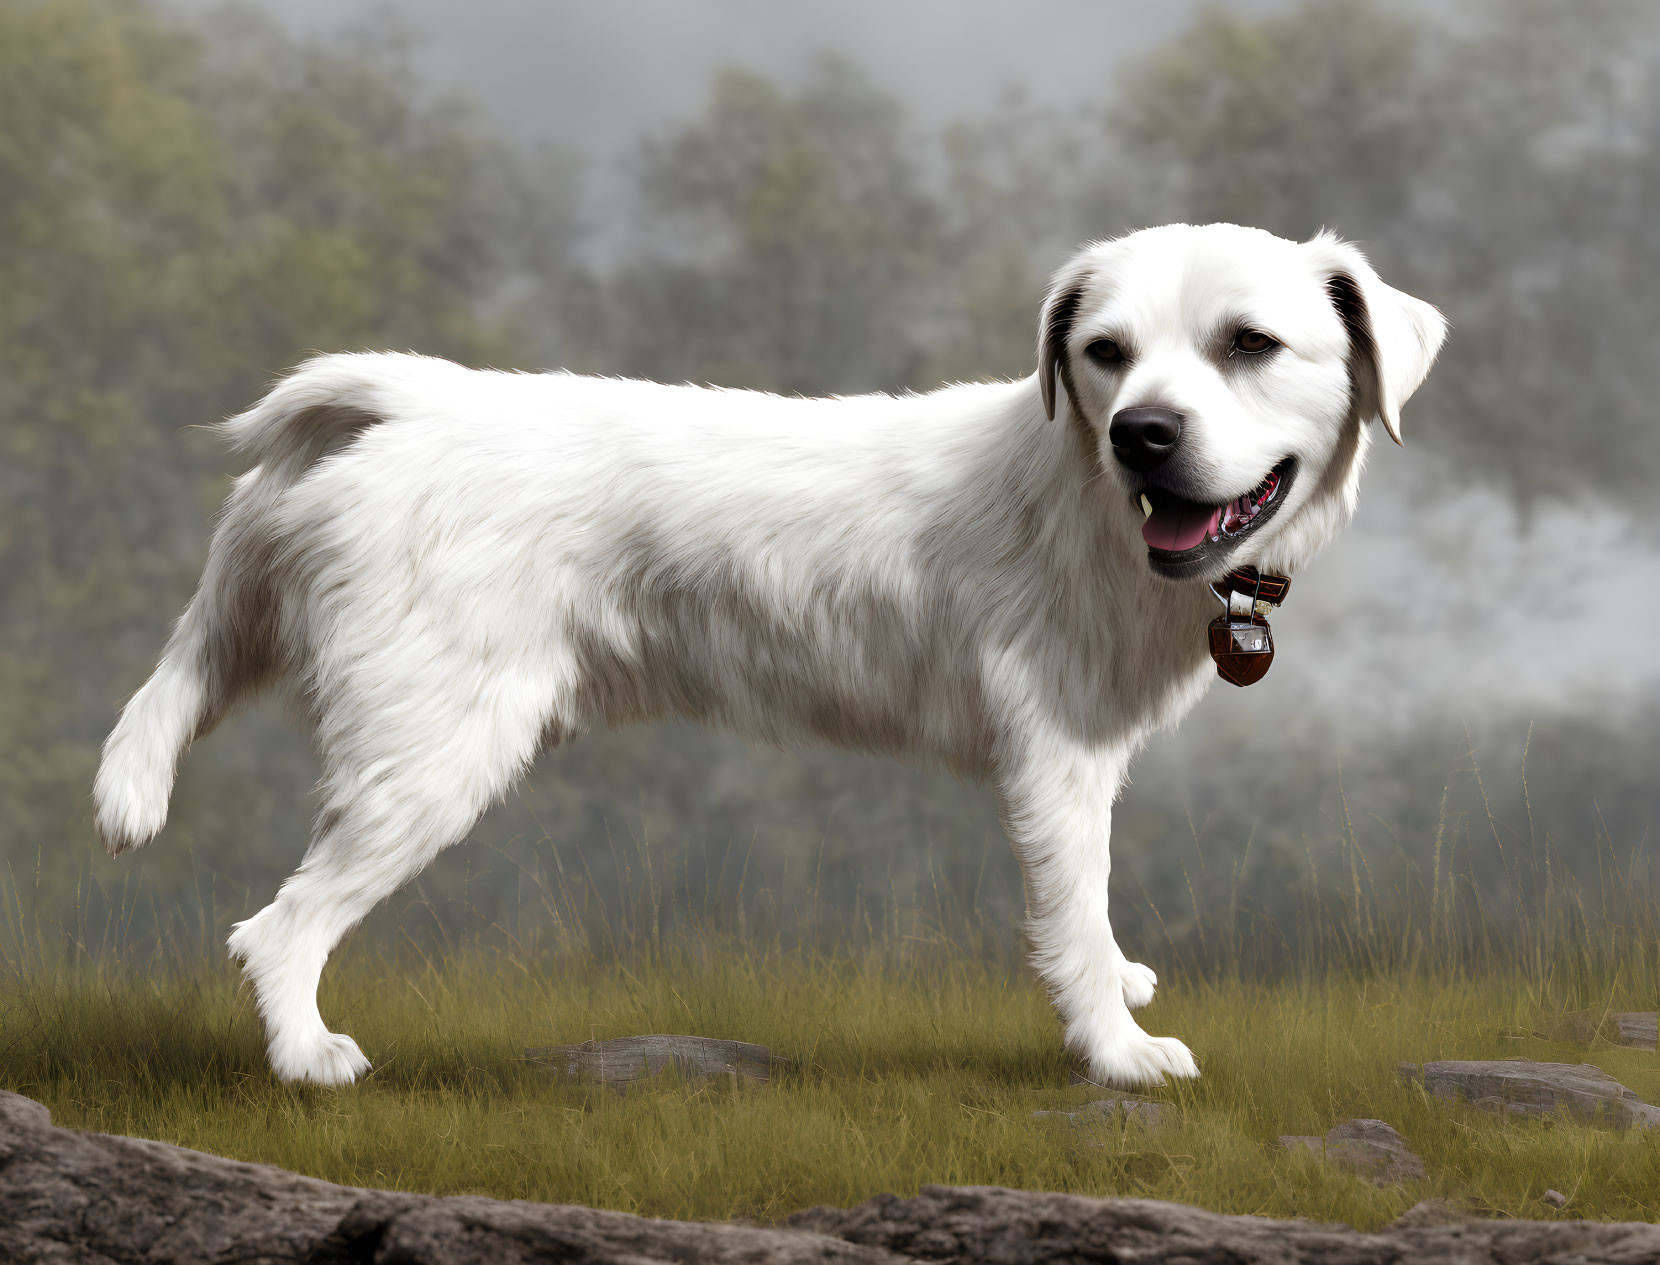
(450,570)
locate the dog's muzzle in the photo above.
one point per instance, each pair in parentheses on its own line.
(1144,438)
(1187,540)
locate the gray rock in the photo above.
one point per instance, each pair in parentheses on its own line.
(1638,1028)
(1428,1212)
(1368,1147)
(1520,1087)
(623,1061)
(1142,1111)
(988,1224)
(1555,1198)
(68,1197)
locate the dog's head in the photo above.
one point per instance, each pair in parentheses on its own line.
(1225,378)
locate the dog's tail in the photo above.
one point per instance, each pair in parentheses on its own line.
(318,409)
(226,642)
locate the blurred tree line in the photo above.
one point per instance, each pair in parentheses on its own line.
(189,207)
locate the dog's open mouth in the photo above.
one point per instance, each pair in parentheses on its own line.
(1183,537)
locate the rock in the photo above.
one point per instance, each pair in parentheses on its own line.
(625,1060)
(71,1196)
(67,1196)
(984,1224)
(1369,1147)
(1555,1198)
(1520,1087)
(1577,1026)
(1638,1028)
(1142,1111)
(1429,1212)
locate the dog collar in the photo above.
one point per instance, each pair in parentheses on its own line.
(1240,640)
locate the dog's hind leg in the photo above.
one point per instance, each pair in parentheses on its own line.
(403,783)
(219,652)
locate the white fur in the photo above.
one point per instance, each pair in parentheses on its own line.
(452,569)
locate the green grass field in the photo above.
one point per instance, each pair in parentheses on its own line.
(906,1064)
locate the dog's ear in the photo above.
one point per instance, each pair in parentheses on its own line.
(1060,309)
(1393,337)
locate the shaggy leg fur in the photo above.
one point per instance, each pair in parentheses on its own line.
(1057,804)
(391,805)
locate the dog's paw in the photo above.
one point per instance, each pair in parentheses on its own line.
(1140,1061)
(332,1058)
(129,808)
(1139,983)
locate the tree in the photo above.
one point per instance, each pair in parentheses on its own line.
(1541,234)
(1289,123)
(1504,167)
(184,213)
(784,240)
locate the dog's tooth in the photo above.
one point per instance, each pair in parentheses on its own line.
(1146,507)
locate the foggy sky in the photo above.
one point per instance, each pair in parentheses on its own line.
(598,73)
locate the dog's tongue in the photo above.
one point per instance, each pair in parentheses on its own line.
(1180,525)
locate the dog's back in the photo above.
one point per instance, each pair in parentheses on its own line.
(776,566)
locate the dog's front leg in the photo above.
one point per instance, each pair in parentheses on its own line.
(1057,806)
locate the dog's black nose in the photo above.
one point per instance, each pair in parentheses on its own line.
(1144,437)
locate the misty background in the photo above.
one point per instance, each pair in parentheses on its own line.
(846,197)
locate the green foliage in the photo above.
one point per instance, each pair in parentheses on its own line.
(183,214)
(187,208)
(1288,123)
(1500,164)
(788,238)
(1546,248)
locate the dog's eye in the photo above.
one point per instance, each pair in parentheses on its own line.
(1253,342)
(1105,350)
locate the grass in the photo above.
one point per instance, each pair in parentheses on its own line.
(909,1055)
(906,1064)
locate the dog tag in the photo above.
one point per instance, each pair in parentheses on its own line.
(1243,648)
(1240,641)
